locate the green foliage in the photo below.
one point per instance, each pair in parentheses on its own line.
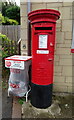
(5,6)
(13,22)
(2,21)
(7,21)
(12,11)
(10,21)
(8,47)
(21,100)
(4,84)
(5,45)
(5,48)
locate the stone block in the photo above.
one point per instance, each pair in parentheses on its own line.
(56,62)
(36,2)
(67,45)
(65,12)
(66,56)
(70,90)
(63,84)
(38,6)
(23,2)
(24,52)
(24,34)
(68,35)
(65,62)
(54,8)
(58,29)
(68,42)
(54,4)
(60,88)
(57,74)
(67,71)
(56,57)
(67,3)
(23,10)
(58,26)
(59,79)
(59,21)
(60,37)
(58,69)
(62,51)
(69,79)
(24,22)
(67,25)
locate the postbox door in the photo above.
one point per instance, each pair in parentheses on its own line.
(43,57)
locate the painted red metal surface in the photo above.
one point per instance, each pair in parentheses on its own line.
(43,30)
(41,15)
(72,50)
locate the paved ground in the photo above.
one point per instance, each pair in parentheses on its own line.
(6,105)
(17,108)
(0,103)
(60,108)
(0,86)
(7,102)
(10,106)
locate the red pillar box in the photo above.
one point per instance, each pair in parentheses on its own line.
(43,41)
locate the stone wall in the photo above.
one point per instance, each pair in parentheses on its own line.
(63,56)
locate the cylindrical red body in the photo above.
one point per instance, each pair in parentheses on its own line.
(43,42)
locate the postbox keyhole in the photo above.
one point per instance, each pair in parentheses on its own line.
(51,44)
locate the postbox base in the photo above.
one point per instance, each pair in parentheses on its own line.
(41,95)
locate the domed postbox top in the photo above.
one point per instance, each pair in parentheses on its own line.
(43,15)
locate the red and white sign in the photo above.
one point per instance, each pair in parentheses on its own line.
(8,63)
(16,61)
(14,64)
(19,58)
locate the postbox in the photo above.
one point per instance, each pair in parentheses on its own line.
(43,23)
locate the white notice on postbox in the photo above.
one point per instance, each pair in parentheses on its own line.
(43,41)
(14,64)
(42,52)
